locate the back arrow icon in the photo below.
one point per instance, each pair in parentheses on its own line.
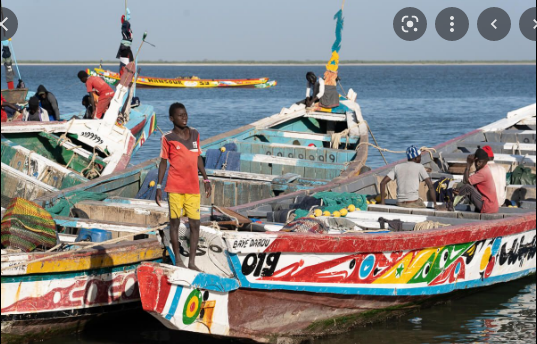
(2,24)
(494,24)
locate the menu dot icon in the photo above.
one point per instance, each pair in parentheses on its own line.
(452,24)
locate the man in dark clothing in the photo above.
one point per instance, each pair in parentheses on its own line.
(34,113)
(49,103)
(89,108)
(124,53)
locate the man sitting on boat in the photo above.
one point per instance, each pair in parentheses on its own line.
(181,147)
(10,108)
(96,85)
(34,113)
(324,90)
(317,86)
(500,176)
(49,103)
(409,176)
(479,188)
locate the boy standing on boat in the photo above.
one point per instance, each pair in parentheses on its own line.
(409,176)
(181,148)
(480,188)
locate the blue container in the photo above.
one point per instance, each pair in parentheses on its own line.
(93,235)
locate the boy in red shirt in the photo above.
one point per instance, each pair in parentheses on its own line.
(181,148)
(96,85)
(480,187)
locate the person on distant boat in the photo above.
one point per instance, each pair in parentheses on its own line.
(318,87)
(479,188)
(409,176)
(34,113)
(181,148)
(96,85)
(124,53)
(8,65)
(49,103)
(500,176)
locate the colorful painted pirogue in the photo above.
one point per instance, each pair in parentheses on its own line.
(151,82)
(275,287)
(285,274)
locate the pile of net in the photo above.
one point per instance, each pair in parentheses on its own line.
(332,202)
(64,206)
(27,226)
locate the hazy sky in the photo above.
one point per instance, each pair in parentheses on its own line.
(184,30)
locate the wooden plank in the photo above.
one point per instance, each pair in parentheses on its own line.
(230,194)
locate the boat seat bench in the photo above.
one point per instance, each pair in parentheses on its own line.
(291,137)
(469,215)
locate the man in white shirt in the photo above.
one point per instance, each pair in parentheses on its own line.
(499,174)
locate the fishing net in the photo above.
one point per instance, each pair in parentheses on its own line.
(27,226)
(304,225)
(333,201)
(64,205)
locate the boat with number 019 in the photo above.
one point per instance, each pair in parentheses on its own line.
(286,283)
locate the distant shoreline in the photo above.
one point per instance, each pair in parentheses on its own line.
(285,63)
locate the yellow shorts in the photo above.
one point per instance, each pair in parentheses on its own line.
(184,205)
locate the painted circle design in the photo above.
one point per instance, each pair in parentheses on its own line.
(367,266)
(192,307)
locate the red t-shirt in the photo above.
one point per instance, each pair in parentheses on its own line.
(4,114)
(484,183)
(183,158)
(99,86)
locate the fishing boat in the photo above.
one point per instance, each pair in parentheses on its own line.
(298,149)
(43,157)
(185,82)
(285,283)
(57,292)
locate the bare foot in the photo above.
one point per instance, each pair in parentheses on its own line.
(179,263)
(194,267)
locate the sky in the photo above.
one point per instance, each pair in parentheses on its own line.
(261,30)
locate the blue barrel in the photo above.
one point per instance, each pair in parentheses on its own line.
(93,235)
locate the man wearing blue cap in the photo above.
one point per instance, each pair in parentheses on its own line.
(409,176)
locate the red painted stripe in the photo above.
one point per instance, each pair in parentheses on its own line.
(154,287)
(396,242)
(139,127)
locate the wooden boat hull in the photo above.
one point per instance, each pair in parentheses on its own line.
(150,82)
(58,296)
(311,283)
(295,142)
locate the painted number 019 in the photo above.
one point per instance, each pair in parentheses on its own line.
(261,264)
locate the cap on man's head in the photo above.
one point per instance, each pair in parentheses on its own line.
(489,151)
(413,152)
(481,155)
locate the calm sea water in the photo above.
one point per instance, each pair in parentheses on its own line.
(420,105)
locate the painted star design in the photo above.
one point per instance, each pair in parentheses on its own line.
(399,271)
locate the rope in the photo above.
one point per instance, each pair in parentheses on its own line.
(337,137)
(374,139)
(424,149)
(15,59)
(427,225)
(109,242)
(63,138)
(93,172)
